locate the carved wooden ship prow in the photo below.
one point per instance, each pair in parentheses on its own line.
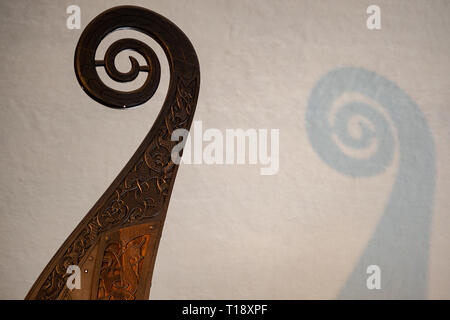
(115,244)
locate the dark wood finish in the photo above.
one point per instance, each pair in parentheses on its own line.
(115,244)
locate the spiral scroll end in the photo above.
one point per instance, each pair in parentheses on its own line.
(86,64)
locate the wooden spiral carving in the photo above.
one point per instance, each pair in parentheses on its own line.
(115,245)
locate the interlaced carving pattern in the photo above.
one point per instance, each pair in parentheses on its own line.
(139,196)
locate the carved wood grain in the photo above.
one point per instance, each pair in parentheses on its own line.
(139,197)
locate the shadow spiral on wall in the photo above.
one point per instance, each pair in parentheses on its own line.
(400,242)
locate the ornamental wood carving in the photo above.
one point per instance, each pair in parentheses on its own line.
(115,244)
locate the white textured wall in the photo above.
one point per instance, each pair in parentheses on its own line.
(230,233)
